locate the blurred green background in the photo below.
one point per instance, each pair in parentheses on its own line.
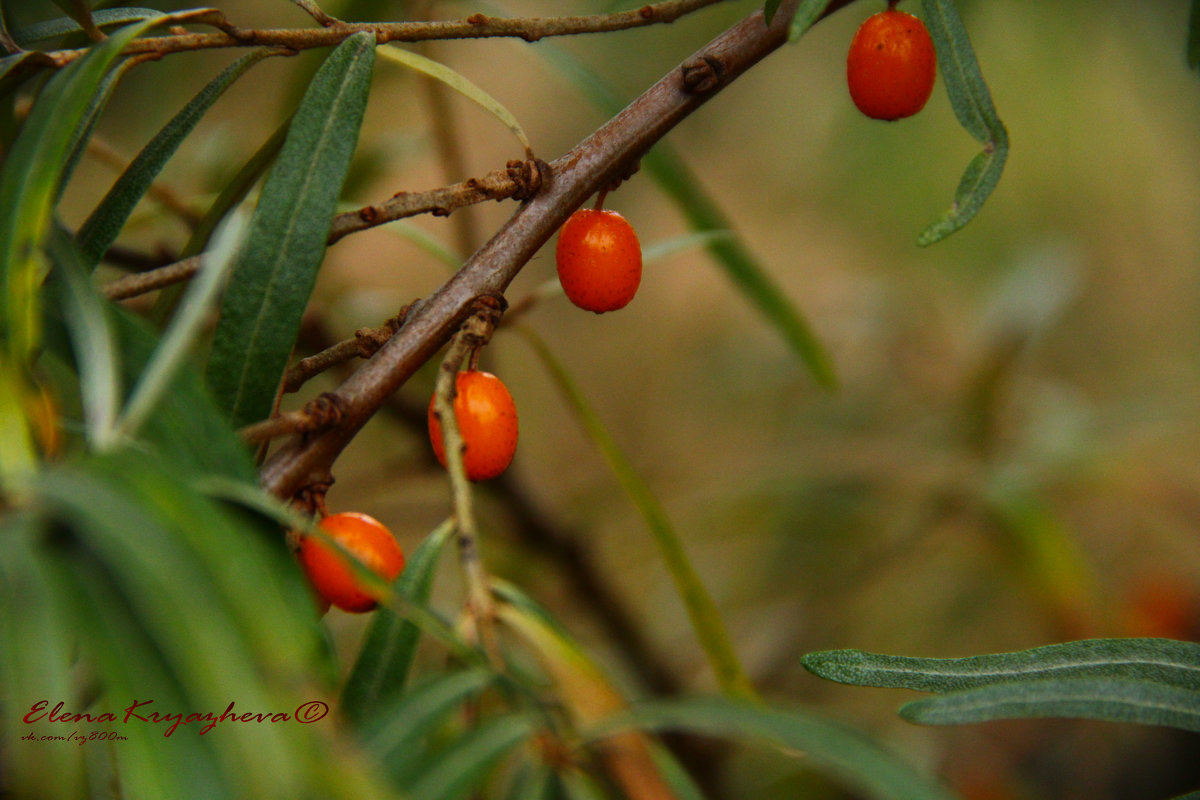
(1010,459)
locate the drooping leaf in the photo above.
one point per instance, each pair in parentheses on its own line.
(702,611)
(841,752)
(103,225)
(1145,702)
(29,185)
(399,731)
(272,281)
(460,84)
(462,768)
(1169,662)
(972,104)
(16,68)
(386,656)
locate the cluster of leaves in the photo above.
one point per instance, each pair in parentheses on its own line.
(140,560)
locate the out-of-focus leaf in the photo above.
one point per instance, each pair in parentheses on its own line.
(807,13)
(1165,661)
(181,334)
(103,225)
(852,758)
(676,179)
(272,281)
(30,611)
(29,184)
(381,670)
(769,9)
(81,13)
(464,766)
(702,611)
(1145,702)
(458,83)
(59,26)
(15,68)
(398,733)
(164,573)
(972,104)
(93,340)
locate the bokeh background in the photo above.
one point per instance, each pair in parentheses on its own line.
(1010,458)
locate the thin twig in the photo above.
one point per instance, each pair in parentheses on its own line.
(519,180)
(479,613)
(362,344)
(477,26)
(320,413)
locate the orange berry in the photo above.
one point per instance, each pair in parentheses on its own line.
(599,260)
(892,66)
(364,537)
(487,422)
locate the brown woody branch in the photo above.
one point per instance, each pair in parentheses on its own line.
(595,163)
(519,180)
(333,32)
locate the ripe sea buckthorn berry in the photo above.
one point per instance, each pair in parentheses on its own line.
(599,260)
(487,422)
(369,541)
(892,66)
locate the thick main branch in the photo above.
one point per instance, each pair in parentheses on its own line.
(605,157)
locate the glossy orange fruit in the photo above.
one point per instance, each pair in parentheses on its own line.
(369,541)
(892,66)
(599,260)
(487,421)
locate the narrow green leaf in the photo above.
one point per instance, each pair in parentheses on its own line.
(1144,702)
(31,611)
(703,213)
(464,766)
(702,611)
(93,340)
(18,457)
(103,225)
(972,104)
(398,733)
(181,334)
(1193,38)
(29,185)
(841,752)
(1189,796)
(460,84)
(668,247)
(381,670)
(808,13)
(60,26)
(1164,661)
(272,281)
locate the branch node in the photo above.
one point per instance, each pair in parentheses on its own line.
(703,74)
(527,175)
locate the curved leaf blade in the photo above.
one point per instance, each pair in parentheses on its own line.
(386,656)
(29,184)
(702,611)
(466,764)
(1144,702)
(1165,661)
(272,280)
(103,225)
(835,749)
(460,84)
(973,106)
(60,26)
(808,12)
